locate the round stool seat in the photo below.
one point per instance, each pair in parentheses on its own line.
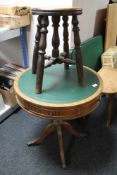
(59,11)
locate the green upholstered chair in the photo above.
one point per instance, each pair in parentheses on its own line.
(91,51)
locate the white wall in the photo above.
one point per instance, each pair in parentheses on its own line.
(10,52)
(32,29)
(89,20)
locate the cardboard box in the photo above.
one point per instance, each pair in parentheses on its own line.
(109,57)
(8,72)
(14,10)
(9,96)
(13,21)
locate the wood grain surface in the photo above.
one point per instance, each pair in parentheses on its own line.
(111,26)
(109,77)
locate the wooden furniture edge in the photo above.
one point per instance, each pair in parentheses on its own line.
(28,99)
(106,92)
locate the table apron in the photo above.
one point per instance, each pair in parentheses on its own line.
(59,113)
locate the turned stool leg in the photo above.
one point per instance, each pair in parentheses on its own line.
(55,37)
(36,47)
(65,39)
(42,46)
(79,63)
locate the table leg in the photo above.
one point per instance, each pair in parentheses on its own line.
(55,126)
(49,129)
(75,133)
(60,140)
(110,101)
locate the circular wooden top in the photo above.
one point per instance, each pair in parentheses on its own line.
(62,97)
(60,11)
(109,77)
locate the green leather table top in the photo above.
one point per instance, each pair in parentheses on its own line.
(59,86)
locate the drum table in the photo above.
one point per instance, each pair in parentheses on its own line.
(62,99)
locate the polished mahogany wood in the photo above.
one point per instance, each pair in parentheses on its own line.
(65,39)
(41,53)
(60,12)
(79,62)
(55,38)
(36,47)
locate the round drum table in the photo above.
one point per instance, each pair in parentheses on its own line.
(62,99)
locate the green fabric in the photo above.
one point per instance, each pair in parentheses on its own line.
(91,51)
(59,86)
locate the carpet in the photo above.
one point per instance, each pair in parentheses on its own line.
(96,155)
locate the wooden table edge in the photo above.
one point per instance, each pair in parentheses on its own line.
(18,91)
